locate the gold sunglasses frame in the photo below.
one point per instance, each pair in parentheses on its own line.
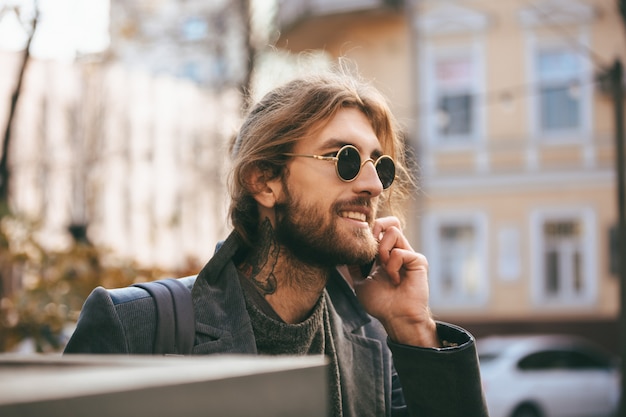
(336,160)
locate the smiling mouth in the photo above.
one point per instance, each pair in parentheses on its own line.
(353,215)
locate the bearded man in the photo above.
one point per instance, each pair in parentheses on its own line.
(317,263)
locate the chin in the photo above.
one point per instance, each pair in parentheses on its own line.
(365,250)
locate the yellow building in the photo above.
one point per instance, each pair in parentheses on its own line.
(514,139)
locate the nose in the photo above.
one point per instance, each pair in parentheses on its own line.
(367,181)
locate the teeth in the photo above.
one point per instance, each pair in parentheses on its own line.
(355,215)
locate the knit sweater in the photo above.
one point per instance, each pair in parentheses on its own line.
(310,337)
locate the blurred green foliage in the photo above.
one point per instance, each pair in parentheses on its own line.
(42,292)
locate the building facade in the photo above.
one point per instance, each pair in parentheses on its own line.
(514,139)
(201,41)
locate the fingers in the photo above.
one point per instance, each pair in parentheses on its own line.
(384,223)
(391,238)
(395,254)
(403,262)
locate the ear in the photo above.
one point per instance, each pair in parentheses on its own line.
(266,192)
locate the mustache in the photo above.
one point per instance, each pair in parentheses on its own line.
(354,202)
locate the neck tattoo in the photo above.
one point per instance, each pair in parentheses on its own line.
(260,264)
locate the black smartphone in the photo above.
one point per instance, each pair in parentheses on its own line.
(367,268)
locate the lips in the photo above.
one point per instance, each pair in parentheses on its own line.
(353,215)
(358,209)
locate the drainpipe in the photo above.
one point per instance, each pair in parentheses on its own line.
(617,90)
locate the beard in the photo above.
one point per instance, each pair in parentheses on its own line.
(313,236)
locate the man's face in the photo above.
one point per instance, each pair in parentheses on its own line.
(322,219)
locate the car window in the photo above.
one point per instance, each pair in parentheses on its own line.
(545,360)
(587,360)
(562,359)
(487,357)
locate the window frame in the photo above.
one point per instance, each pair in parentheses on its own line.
(582,80)
(585,216)
(431,225)
(433,54)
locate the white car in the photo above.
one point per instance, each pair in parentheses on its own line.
(548,376)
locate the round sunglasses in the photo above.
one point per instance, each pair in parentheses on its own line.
(348,164)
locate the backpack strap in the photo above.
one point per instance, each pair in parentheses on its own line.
(175,326)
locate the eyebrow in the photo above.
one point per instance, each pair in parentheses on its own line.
(339,143)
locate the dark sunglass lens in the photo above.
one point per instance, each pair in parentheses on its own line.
(386,170)
(348,163)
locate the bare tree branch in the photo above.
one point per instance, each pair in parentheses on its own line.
(246,87)
(5,172)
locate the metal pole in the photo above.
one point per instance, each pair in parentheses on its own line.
(616,75)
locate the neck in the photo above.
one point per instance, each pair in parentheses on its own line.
(290,286)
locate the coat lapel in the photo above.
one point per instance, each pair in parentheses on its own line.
(362,361)
(222,322)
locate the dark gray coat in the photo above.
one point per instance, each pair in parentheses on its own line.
(428,382)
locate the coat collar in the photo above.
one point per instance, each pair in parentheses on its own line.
(222,322)
(346,304)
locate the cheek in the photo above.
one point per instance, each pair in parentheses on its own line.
(317,203)
(314,189)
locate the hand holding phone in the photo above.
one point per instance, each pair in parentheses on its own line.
(395,287)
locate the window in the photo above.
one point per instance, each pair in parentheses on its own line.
(561,74)
(543,361)
(458,266)
(455,105)
(452,85)
(566,359)
(564,252)
(452,74)
(191,70)
(559,89)
(194,29)
(458,260)
(563,247)
(559,68)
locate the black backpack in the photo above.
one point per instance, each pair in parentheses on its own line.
(175,324)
